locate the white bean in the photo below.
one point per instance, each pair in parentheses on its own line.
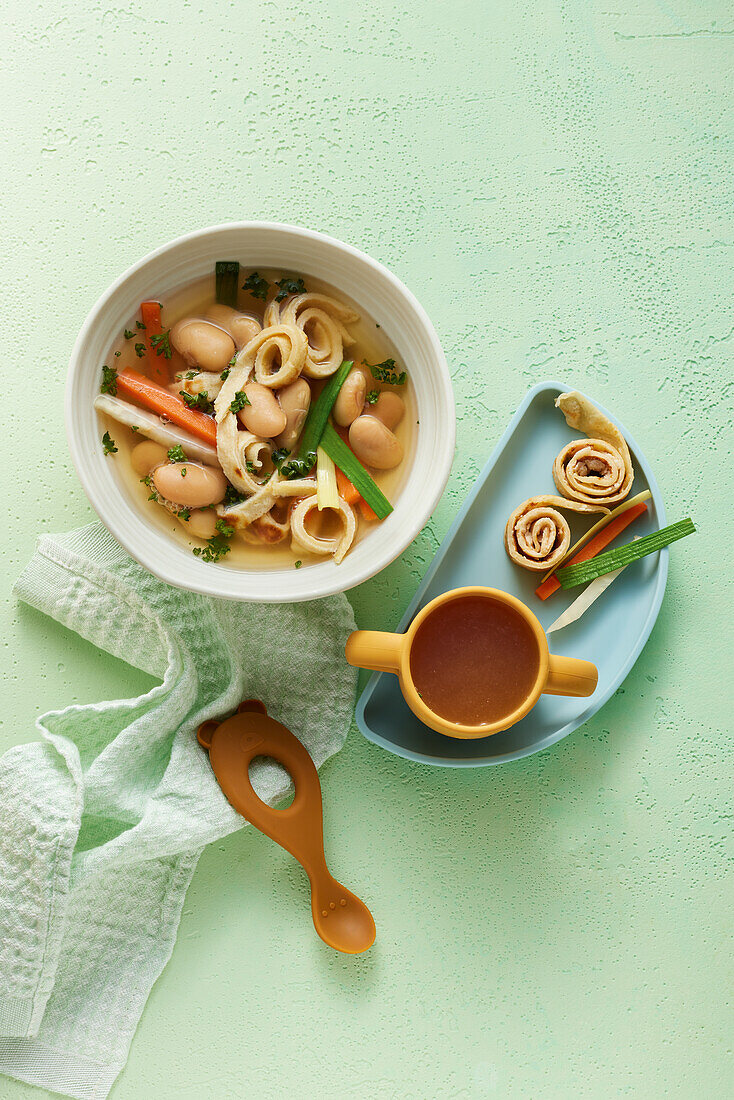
(202,523)
(295,400)
(202,344)
(350,399)
(374,444)
(189,484)
(263,416)
(242,327)
(389,408)
(146,455)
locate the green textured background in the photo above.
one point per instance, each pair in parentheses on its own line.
(554,181)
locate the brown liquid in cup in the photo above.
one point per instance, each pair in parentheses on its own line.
(474,660)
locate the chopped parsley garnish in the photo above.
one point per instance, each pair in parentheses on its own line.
(225,374)
(139,324)
(190,374)
(184,471)
(140,350)
(176,454)
(128,334)
(280,456)
(289,286)
(296,467)
(231,496)
(109,381)
(162,344)
(256,285)
(185,514)
(298,564)
(250,467)
(218,545)
(387,372)
(134,428)
(239,401)
(148,481)
(118,354)
(372,396)
(198,401)
(108,444)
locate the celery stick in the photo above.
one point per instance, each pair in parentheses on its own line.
(327,492)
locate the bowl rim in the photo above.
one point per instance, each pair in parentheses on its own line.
(216,584)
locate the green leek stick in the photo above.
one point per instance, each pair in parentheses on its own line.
(572,575)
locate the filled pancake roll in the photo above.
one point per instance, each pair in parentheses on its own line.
(597,469)
(537,535)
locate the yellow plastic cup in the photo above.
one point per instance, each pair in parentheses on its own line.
(385,652)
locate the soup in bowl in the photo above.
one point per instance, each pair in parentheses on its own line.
(260,412)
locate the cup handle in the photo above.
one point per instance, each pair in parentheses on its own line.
(569,676)
(375,649)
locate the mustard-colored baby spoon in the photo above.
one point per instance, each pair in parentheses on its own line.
(340,918)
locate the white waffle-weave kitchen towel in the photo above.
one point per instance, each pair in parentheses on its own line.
(102,822)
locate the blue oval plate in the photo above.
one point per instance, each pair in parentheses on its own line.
(611,634)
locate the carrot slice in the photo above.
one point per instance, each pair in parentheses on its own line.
(152,396)
(595,546)
(150,315)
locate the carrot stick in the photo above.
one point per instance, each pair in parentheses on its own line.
(594,547)
(152,396)
(346,489)
(150,315)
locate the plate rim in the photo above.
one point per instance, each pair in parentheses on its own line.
(569,727)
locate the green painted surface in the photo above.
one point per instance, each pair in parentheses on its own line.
(555,184)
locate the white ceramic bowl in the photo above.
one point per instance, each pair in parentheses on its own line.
(371,286)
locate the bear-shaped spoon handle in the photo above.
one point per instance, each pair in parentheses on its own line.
(340,918)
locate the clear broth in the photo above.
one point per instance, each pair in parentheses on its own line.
(474,660)
(194,298)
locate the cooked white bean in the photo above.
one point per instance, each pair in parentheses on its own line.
(202,523)
(146,455)
(295,400)
(202,344)
(263,416)
(242,327)
(374,444)
(189,484)
(389,408)
(350,399)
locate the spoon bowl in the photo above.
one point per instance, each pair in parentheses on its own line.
(341,918)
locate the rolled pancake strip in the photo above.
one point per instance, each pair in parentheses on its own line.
(323,320)
(206,381)
(597,469)
(302,540)
(235,448)
(271,528)
(276,356)
(537,536)
(247,511)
